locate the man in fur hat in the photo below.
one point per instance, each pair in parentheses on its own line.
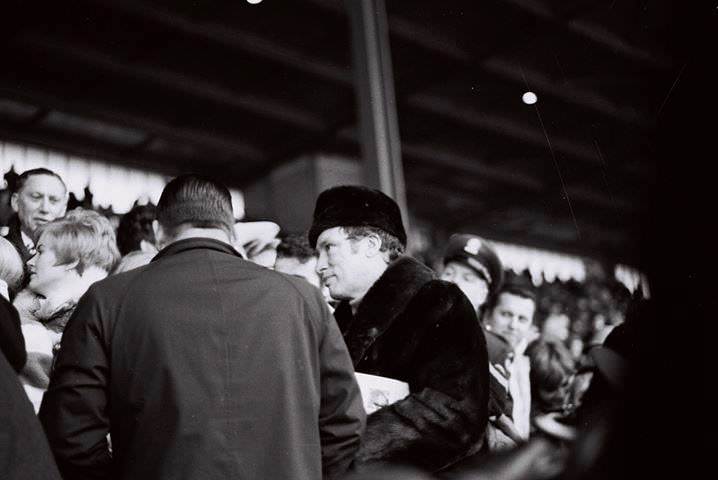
(399,321)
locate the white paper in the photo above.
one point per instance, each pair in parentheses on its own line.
(378,392)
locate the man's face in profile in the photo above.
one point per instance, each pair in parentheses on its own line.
(342,264)
(41,200)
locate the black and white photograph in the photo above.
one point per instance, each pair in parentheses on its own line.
(353,239)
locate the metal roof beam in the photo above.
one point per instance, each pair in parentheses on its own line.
(595,33)
(502,126)
(473,165)
(84,147)
(125,117)
(429,40)
(582,97)
(170,165)
(197,87)
(247,42)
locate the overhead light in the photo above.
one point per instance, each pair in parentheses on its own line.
(529,98)
(254,2)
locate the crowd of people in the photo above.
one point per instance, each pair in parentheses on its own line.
(186,344)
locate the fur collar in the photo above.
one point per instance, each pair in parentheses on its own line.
(56,317)
(33,308)
(385,300)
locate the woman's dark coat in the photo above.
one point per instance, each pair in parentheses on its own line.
(423,331)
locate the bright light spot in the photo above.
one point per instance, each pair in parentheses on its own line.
(529,98)
(254,2)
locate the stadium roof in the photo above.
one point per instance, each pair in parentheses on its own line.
(230,87)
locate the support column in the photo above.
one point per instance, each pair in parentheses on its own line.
(288,194)
(374,86)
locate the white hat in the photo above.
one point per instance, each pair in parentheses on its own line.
(252,238)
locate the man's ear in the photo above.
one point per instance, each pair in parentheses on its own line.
(373,243)
(159,233)
(64,208)
(13,202)
(147,247)
(71,265)
(4,290)
(233,237)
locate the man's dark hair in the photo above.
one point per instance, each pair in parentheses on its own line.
(195,201)
(135,226)
(389,243)
(515,286)
(24,176)
(296,246)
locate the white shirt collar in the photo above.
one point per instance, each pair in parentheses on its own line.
(29,244)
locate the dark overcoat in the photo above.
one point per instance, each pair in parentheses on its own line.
(202,365)
(423,331)
(12,343)
(14,236)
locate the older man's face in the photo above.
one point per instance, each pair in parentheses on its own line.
(42,199)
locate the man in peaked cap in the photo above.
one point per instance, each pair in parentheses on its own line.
(400,321)
(471,263)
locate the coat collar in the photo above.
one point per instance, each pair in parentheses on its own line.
(14,235)
(196,243)
(385,300)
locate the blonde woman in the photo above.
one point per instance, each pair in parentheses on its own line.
(72,254)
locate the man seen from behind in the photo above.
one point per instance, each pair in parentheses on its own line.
(202,364)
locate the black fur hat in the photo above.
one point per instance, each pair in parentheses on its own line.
(356,206)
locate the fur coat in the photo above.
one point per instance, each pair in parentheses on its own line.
(422,331)
(42,325)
